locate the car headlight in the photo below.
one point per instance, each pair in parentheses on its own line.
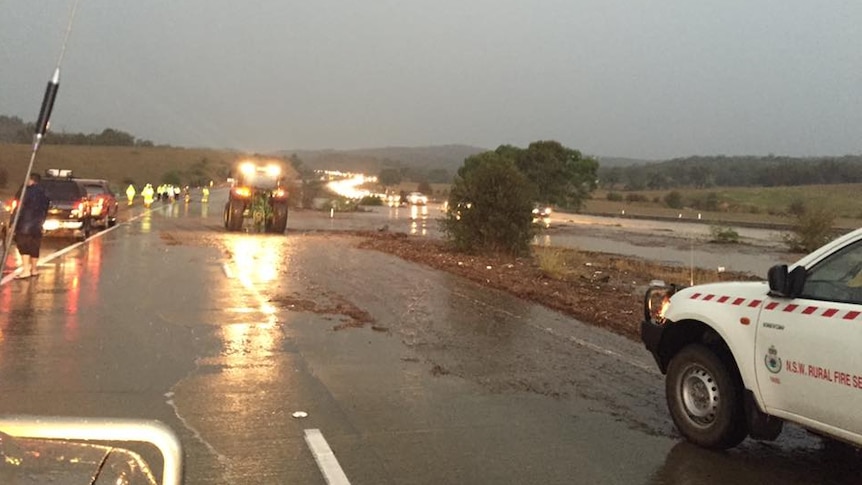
(657,301)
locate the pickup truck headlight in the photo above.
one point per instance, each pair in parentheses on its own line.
(657,301)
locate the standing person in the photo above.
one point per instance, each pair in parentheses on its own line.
(130,193)
(148,194)
(28,231)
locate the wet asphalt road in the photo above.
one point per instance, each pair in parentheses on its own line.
(411,375)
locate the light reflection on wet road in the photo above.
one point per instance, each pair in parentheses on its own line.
(224,336)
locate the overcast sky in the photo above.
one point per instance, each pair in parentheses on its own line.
(635,78)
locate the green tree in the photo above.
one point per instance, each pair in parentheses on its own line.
(172,177)
(612,177)
(389,177)
(439,176)
(301,168)
(490,205)
(673,199)
(561,175)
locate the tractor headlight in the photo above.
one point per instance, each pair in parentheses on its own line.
(273,170)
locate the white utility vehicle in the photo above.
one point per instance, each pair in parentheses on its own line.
(743,357)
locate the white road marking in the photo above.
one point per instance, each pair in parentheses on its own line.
(227,271)
(325,458)
(56,254)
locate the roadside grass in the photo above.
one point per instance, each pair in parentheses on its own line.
(552,262)
(756,205)
(567,264)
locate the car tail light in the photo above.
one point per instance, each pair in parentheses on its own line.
(80,208)
(11,205)
(279,193)
(242,191)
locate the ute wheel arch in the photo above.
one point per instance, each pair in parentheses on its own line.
(679,334)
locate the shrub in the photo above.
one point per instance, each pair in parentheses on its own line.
(615,197)
(635,197)
(723,234)
(491,205)
(708,202)
(341,204)
(371,200)
(673,200)
(813,229)
(552,262)
(796,207)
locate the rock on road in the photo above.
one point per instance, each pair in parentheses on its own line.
(410,375)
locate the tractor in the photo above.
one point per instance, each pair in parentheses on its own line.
(258,193)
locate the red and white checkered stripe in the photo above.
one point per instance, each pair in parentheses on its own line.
(818,311)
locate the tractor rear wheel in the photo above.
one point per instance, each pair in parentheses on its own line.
(279,219)
(233,215)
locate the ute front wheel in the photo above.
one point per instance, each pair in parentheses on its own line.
(704,396)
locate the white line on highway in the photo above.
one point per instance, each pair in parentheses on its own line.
(227,271)
(56,254)
(325,458)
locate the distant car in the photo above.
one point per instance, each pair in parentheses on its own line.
(103,202)
(69,212)
(417,198)
(542,211)
(542,215)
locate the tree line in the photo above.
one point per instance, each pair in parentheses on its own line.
(736,171)
(15,130)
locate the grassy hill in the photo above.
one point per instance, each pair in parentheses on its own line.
(738,204)
(372,160)
(118,164)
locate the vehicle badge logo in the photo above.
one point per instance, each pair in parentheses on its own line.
(772,360)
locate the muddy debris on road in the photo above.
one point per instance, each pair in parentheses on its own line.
(601,289)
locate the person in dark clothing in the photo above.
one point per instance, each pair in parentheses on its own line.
(28,231)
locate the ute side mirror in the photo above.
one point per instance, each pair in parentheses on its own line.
(777,277)
(786,284)
(796,281)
